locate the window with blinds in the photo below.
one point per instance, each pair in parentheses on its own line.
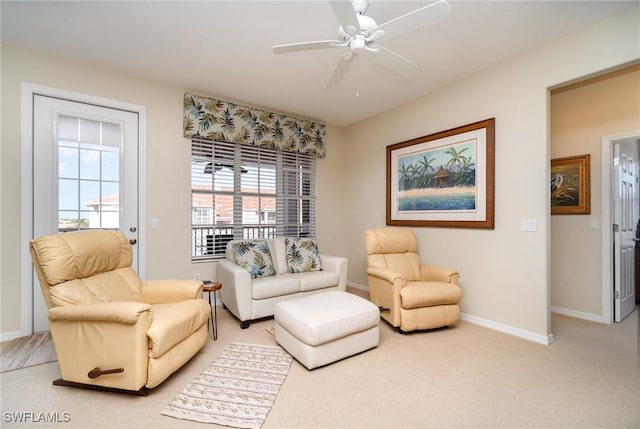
(244,192)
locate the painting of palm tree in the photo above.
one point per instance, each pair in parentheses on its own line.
(438,179)
(445,179)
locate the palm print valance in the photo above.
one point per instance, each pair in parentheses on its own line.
(228,122)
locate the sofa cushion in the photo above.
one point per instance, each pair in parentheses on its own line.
(278,254)
(302,255)
(269,287)
(314,280)
(254,256)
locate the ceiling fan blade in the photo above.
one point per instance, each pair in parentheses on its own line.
(346,16)
(304,46)
(393,61)
(341,69)
(419,18)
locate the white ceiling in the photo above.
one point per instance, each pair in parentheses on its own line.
(223,48)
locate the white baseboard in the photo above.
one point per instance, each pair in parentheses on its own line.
(578,314)
(8,336)
(358,286)
(516,332)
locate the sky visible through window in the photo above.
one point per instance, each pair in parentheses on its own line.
(88,185)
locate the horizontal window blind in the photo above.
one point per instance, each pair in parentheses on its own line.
(245,192)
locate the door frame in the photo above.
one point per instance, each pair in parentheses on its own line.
(27,92)
(607,236)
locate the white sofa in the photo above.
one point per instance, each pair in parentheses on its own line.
(250,299)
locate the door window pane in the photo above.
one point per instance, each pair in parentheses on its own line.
(89,174)
(111,165)
(68,162)
(89,164)
(68,128)
(68,194)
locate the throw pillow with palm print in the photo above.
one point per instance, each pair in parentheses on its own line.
(254,256)
(302,255)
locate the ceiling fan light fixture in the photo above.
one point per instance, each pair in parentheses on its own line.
(359,32)
(357,44)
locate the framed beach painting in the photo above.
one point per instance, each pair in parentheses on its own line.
(570,185)
(444,179)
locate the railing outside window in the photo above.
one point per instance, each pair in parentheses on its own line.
(208,241)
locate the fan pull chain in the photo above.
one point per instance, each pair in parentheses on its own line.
(357,75)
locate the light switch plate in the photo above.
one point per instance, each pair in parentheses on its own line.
(529,225)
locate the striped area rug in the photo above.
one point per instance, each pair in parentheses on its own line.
(237,389)
(27,351)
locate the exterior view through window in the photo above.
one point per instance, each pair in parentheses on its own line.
(88,174)
(243,192)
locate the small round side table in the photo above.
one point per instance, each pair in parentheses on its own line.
(212,287)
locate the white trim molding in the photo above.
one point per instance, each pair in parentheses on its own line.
(8,336)
(358,286)
(578,314)
(516,332)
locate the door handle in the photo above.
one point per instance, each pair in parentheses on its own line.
(133,241)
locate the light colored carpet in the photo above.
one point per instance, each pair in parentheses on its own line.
(27,351)
(464,377)
(237,389)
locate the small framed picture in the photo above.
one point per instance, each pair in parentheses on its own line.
(571,185)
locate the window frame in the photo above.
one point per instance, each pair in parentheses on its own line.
(253,177)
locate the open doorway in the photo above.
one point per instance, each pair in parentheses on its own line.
(582,114)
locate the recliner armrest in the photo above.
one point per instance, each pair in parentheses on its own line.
(164,291)
(388,275)
(114,312)
(439,274)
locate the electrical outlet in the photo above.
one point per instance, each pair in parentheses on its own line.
(196,276)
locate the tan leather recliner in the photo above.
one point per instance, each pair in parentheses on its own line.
(411,296)
(103,318)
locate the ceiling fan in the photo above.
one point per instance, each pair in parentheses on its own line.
(359,33)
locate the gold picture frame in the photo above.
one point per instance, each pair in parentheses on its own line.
(570,183)
(444,179)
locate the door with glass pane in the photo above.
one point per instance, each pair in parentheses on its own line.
(85,174)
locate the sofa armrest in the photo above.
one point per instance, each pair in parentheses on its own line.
(164,291)
(236,289)
(126,313)
(336,264)
(439,274)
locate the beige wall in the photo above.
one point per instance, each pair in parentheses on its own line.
(580,116)
(167,159)
(505,272)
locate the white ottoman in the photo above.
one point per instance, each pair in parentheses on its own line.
(320,329)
